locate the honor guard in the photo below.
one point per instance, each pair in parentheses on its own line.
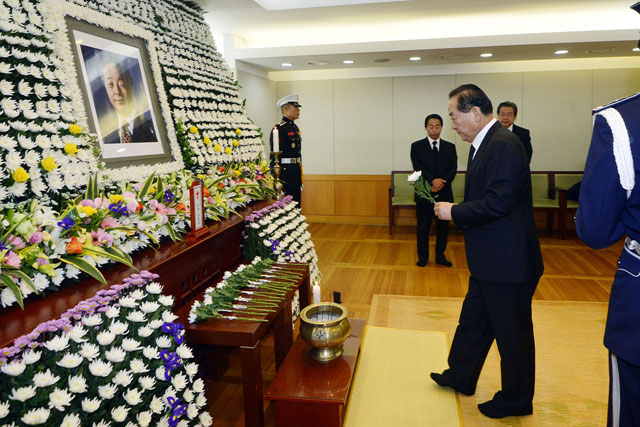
(290,144)
(609,210)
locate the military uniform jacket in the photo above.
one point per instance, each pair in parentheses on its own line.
(290,139)
(609,209)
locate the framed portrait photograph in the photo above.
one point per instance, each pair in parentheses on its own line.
(120,95)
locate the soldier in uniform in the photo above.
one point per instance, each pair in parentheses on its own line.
(290,143)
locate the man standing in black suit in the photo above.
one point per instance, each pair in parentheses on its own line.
(507,113)
(503,254)
(437,160)
(132,127)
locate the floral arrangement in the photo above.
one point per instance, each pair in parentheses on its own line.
(251,292)
(118,357)
(40,248)
(421,187)
(279,232)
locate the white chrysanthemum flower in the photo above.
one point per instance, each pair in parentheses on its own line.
(160,373)
(198,385)
(132,396)
(45,379)
(32,356)
(92,320)
(119,328)
(147,383)
(179,381)
(138,366)
(13,369)
(156,324)
(191,369)
(164,341)
(105,338)
(201,400)
(129,344)
(89,351)
(149,307)
(120,413)
(188,395)
(166,300)
(123,378)
(138,294)
(113,312)
(154,288)
(115,355)
(36,416)
(151,353)
(205,419)
(59,399)
(168,316)
(192,411)
(184,352)
(57,343)
(107,391)
(77,333)
(156,405)
(128,302)
(145,332)
(71,420)
(7,142)
(136,317)
(77,384)
(100,368)
(4,409)
(7,297)
(144,418)
(70,361)
(90,405)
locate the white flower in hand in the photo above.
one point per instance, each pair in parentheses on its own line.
(414,176)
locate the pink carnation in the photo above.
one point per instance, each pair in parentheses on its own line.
(102,237)
(16,241)
(35,238)
(12,259)
(109,222)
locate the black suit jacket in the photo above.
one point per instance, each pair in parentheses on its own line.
(501,240)
(142,131)
(443,165)
(525,138)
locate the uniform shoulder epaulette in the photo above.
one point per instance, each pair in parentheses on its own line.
(616,103)
(282,123)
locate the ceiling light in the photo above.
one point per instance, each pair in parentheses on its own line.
(415,58)
(381,60)
(486,55)
(636,49)
(562,52)
(286,64)
(348,61)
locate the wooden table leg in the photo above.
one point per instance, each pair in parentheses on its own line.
(252,386)
(283,333)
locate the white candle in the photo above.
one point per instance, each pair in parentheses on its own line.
(276,140)
(316,293)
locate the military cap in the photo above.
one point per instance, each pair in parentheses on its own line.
(289,99)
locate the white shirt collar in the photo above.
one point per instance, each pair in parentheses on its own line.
(480,136)
(511,127)
(431,141)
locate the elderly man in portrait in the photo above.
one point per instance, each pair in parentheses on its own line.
(132,126)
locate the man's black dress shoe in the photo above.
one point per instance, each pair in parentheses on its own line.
(444,261)
(421,263)
(442,381)
(494,409)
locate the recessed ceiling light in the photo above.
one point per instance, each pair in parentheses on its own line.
(415,58)
(348,61)
(286,64)
(486,55)
(636,49)
(381,60)
(562,52)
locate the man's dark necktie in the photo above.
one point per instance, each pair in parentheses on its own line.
(472,151)
(435,147)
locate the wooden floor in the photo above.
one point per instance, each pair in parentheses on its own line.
(360,261)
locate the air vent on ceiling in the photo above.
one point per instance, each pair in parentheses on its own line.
(317,62)
(381,60)
(450,56)
(601,50)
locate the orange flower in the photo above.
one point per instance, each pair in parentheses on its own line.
(220,169)
(139,208)
(74,246)
(220,185)
(205,191)
(181,207)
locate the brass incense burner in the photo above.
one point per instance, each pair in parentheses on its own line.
(324,326)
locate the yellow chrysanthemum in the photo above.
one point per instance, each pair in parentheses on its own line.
(238,131)
(70,149)
(49,164)
(88,210)
(216,148)
(206,140)
(227,150)
(193,129)
(75,129)
(115,198)
(20,175)
(201,176)
(235,143)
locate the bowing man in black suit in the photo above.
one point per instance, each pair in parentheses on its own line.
(503,254)
(437,160)
(507,113)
